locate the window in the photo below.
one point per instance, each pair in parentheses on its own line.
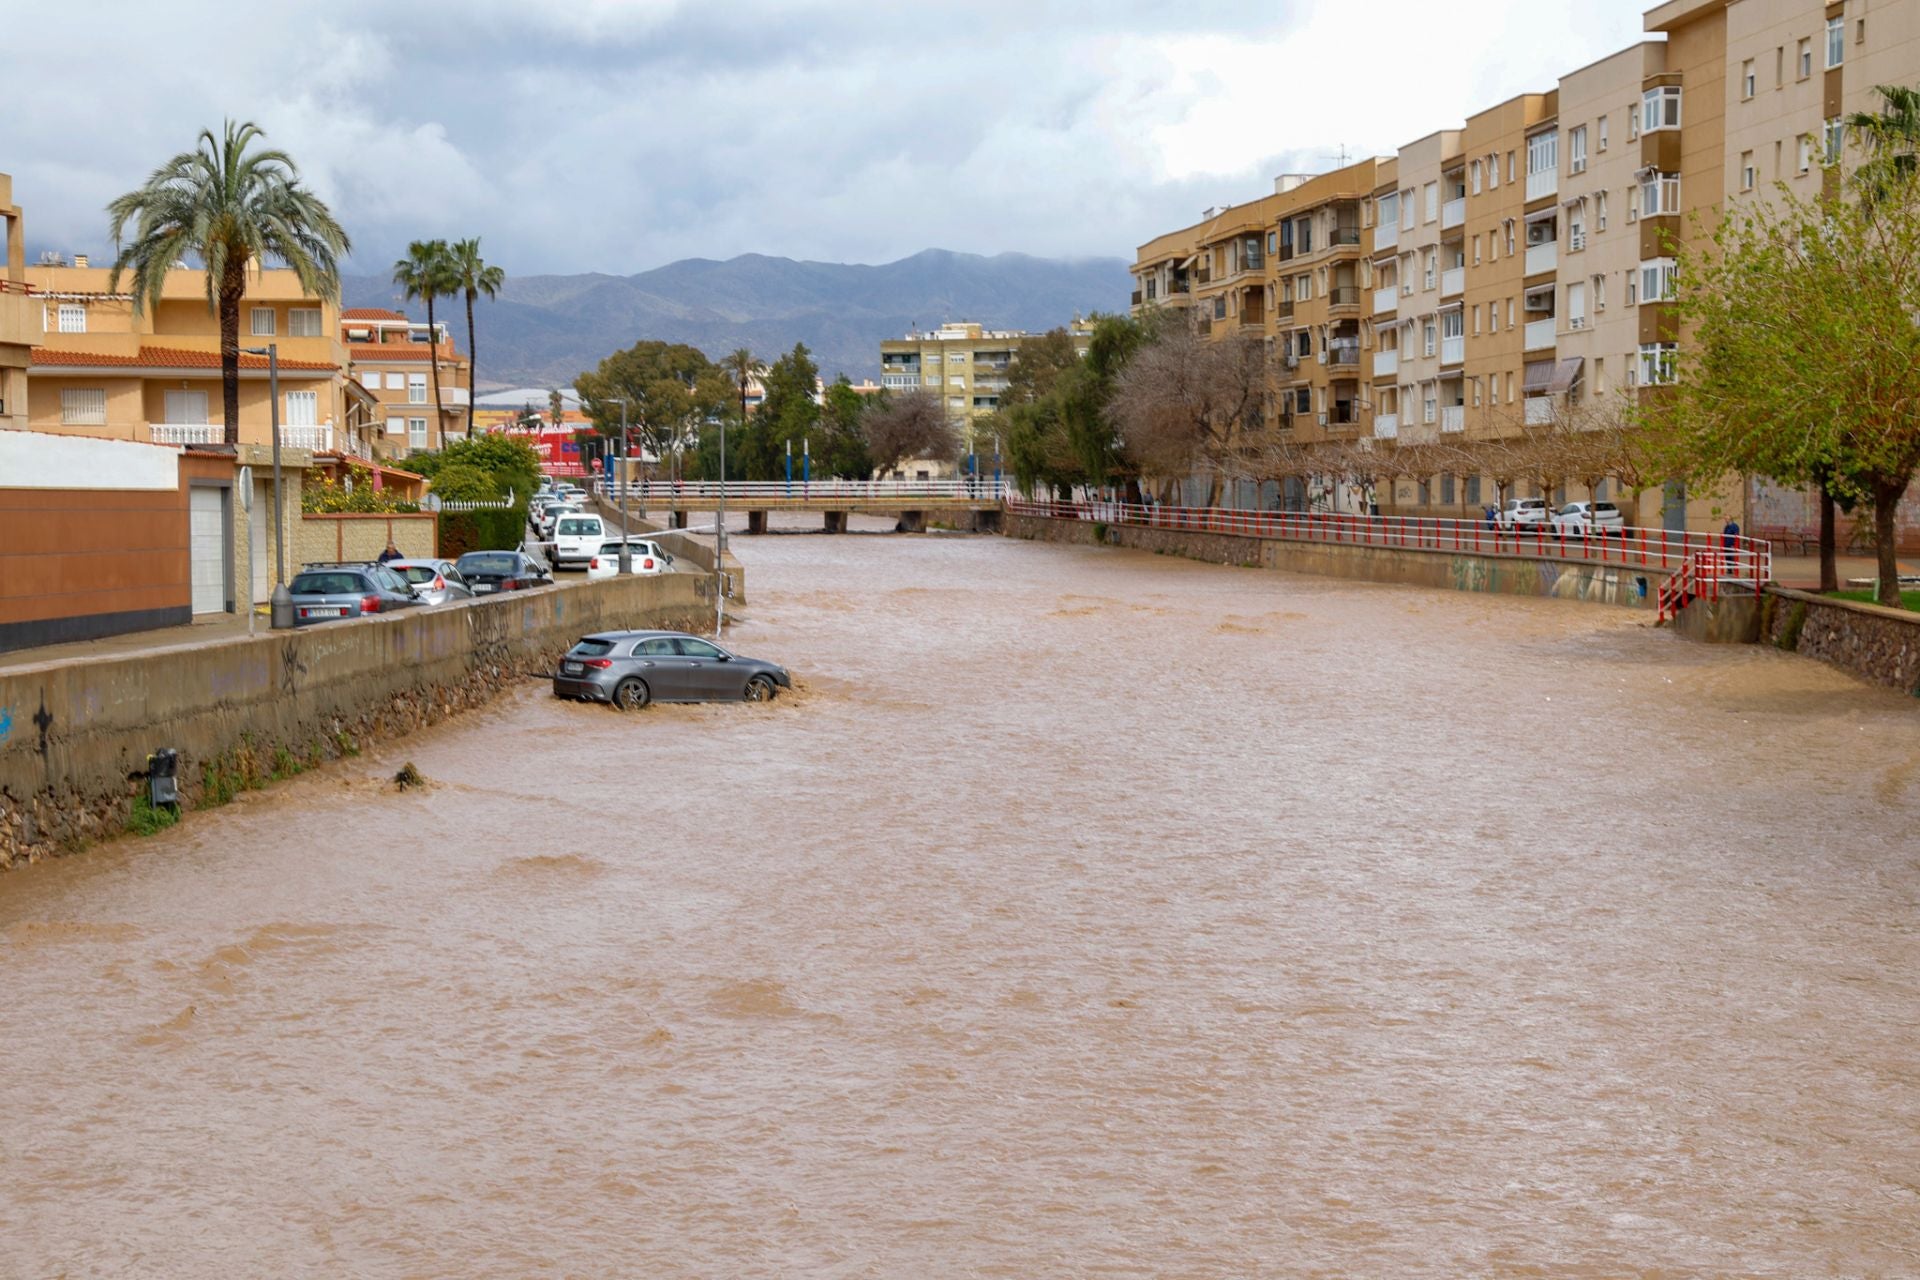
(1577,227)
(73,319)
(1656,280)
(1836,41)
(1511,171)
(1406,210)
(1660,109)
(1509,313)
(1805,160)
(1633,122)
(370,379)
(1453,324)
(1860,31)
(416,388)
(1493,171)
(955,380)
(956,402)
(956,357)
(186,407)
(1600,375)
(1600,131)
(1272,243)
(416,433)
(303,409)
(1429,403)
(1577,150)
(1473,171)
(1660,195)
(1493,317)
(1748,178)
(1599,211)
(1476,251)
(398,426)
(1749,79)
(262,322)
(1657,363)
(1219,309)
(304,322)
(1835,143)
(1428,274)
(1633,289)
(1779,66)
(83,406)
(1476,319)
(396,381)
(1509,237)
(1803,59)
(1427,340)
(1389,210)
(1576,306)
(1430,197)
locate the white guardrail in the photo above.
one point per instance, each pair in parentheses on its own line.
(665,492)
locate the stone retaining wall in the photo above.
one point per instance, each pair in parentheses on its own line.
(247,709)
(1456,571)
(1873,642)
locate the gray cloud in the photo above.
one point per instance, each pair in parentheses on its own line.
(619,134)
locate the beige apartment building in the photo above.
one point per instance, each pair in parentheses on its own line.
(964,364)
(1518,273)
(17,312)
(390,361)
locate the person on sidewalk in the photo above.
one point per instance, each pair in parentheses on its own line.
(1730,536)
(391,553)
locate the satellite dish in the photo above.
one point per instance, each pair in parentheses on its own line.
(245,482)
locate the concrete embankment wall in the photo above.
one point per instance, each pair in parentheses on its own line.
(1455,571)
(72,732)
(1870,641)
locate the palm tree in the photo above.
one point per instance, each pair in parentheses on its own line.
(742,368)
(426,273)
(472,276)
(1891,139)
(231,208)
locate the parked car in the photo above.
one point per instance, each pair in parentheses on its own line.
(1581,518)
(576,537)
(629,669)
(647,557)
(551,515)
(331,592)
(434,581)
(1528,514)
(489,571)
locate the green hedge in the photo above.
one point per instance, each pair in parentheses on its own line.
(464,531)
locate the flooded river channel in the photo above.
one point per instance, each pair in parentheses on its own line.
(1086,913)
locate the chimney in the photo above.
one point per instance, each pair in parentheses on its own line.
(79,259)
(1290,181)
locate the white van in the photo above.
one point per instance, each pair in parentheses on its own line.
(576,538)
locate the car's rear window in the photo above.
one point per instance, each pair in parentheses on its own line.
(480,562)
(419,573)
(326,584)
(592,648)
(1605,508)
(579,526)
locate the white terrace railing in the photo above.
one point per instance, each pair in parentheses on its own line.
(319,438)
(665,492)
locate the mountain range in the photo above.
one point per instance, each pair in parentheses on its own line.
(545,330)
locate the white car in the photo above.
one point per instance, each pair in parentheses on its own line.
(550,516)
(1523,513)
(576,537)
(647,556)
(1581,518)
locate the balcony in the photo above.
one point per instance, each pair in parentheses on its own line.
(1544,183)
(1136,297)
(1453,213)
(1539,410)
(1453,350)
(1343,295)
(1453,417)
(1453,281)
(1386,235)
(1345,354)
(454,398)
(1386,363)
(316,438)
(1386,426)
(1385,299)
(1343,237)
(1283,309)
(1542,258)
(1539,335)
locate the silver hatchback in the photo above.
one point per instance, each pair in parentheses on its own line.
(629,669)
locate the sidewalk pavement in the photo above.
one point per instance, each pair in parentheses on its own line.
(1803,572)
(201,631)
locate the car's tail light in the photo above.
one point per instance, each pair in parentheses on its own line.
(647,563)
(599,664)
(511,584)
(439,583)
(369,604)
(594,563)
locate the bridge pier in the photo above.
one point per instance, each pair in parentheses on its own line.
(679,519)
(836,521)
(911,522)
(756,522)
(988,521)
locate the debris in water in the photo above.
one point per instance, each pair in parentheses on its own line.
(409,777)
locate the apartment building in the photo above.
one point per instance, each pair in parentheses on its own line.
(391,359)
(1422,164)
(18,330)
(1384,282)
(1320,281)
(964,364)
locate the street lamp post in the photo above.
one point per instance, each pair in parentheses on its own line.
(720,541)
(626,472)
(281,606)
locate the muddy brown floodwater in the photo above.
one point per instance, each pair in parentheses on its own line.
(1089,913)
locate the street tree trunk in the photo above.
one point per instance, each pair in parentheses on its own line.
(1829,561)
(233,287)
(473,363)
(1886,501)
(433,357)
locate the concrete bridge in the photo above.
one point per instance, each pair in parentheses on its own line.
(975,503)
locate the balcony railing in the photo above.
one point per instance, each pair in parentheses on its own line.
(1544,183)
(1343,353)
(1342,237)
(1539,334)
(1542,258)
(1453,350)
(1386,235)
(1453,281)
(1386,426)
(316,438)
(1453,213)
(1386,362)
(1344,295)
(1385,299)
(1453,417)
(1283,309)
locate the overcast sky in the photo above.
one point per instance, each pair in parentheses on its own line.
(618,135)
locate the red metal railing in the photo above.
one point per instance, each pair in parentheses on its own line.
(14,286)
(1714,558)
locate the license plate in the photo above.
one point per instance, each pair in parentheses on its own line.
(571,668)
(481,588)
(327,612)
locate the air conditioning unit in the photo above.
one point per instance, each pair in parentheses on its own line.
(1577,322)
(1322,416)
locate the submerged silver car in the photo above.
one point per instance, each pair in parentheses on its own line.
(629,669)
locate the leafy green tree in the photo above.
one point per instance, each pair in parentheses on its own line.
(757,451)
(1806,343)
(671,390)
(229,207)
(508,463)
(473,276)
(427,273)
(839,448)
(1890,138)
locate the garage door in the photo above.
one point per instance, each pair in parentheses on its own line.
(207,538)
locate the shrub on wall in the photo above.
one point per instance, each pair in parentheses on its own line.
(464,531)
(325,496)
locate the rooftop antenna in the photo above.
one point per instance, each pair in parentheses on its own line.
(1342,156)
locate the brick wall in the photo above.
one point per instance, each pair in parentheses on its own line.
(363,537)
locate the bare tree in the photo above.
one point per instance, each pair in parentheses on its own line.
(914,425)
(1186,402)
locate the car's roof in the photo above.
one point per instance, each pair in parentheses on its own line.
(637,635)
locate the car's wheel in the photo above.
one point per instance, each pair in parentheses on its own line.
(631,694)
(760,689)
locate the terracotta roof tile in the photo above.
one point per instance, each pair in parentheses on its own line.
(382,352)
(370,313)
(164,358)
